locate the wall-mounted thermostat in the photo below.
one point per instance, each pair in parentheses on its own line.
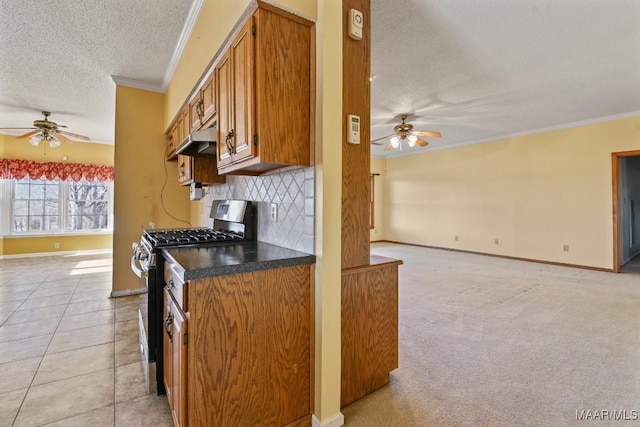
(353,129)
(355,24)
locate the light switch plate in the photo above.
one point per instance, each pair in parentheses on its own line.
(274,212)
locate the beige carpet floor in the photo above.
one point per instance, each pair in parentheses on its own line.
(486,341)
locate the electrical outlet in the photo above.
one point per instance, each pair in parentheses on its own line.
(496,242)
(565,248)
(274,212)
(56,245)
(455,238)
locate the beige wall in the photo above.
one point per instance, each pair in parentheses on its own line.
(78,152)
(139,178)
(534,194)
(31,245)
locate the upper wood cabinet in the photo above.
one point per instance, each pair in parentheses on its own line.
(260,89)
(238,93)
(198,169)
(177,133)
(185,128)
(208,94)
(172,143)
(202,107)
(265,94)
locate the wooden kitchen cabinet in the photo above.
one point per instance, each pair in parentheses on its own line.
(175,351)
(248,357)
(202,107)
(237,92)
(369,327)
(198,169)
(172,143)
(177,133)
(208,96)
(265,94)
(251,348)
(184,123)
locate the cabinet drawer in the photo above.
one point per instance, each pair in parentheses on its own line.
(178,288)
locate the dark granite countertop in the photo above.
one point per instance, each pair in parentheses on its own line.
(232,258)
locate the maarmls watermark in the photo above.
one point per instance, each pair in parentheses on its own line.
(607,414)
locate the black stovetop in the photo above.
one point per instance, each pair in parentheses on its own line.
(188,236)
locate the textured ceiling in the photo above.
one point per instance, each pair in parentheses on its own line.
(477,70)
(59,55)
(474,70)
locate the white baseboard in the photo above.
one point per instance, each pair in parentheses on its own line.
(336,420)
(128,292)
(58,253)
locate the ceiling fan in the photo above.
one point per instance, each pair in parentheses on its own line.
(404,133)
(48,132)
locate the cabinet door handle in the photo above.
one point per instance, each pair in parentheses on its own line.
(170,285)
(182,172)
(200,109)
(167,325)
(229,142)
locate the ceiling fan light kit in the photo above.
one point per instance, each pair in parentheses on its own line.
(405,132)
(35,140)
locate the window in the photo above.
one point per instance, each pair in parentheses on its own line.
(36,205)
(41,206)
(88,206)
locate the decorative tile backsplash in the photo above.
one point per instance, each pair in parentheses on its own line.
(293,192)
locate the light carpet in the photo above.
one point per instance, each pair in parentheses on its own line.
(488,341)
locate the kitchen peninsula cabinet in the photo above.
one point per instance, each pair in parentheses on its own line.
(265,93)
(249,347)
(369,327)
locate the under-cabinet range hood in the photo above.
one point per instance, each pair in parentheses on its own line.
(201,143)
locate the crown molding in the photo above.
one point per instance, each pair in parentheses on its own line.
(189,24)
(138,84)
(563,126)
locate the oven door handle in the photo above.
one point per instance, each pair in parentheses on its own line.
(138,271)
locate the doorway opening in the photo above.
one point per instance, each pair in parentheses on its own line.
(626,211)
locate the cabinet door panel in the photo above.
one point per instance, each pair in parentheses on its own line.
(209,98)
(167,369)
(186,129)
(243,83)
(179,367)
(225,110)
(195,114)
(185,169)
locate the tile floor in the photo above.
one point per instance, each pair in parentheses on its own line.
(68,353)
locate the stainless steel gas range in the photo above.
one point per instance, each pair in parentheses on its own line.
(233,221)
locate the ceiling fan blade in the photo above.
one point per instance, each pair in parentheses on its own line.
(382,137)
(16,128)
(421,142)
(28,134)
(427,133)
(75,135)
(61,137)
(388,147)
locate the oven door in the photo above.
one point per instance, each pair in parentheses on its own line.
(140,260)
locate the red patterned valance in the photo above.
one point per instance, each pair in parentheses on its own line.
(53,171)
